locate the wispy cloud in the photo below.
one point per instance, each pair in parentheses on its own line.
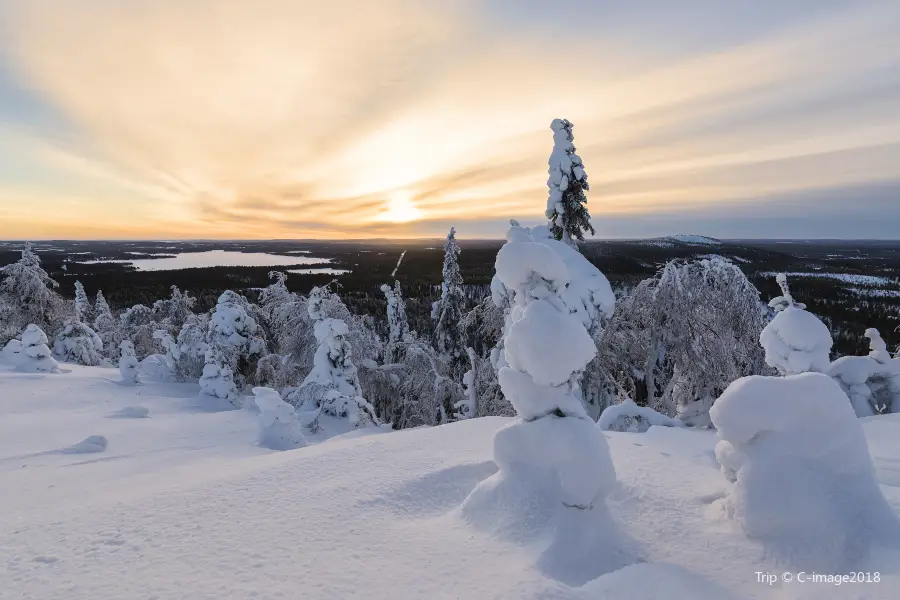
(274,118)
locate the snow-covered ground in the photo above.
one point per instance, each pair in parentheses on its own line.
(851,278)
(184,503)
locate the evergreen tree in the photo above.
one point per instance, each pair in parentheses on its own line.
(449,310)
(84,312)
(567,203)
(105,324)
(29,292)
(398,328)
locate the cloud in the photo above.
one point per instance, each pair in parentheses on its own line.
(279,118)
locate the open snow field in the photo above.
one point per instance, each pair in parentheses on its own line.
(182,503)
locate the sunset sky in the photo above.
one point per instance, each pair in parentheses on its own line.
(398,118)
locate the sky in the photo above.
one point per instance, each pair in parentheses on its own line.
(140,119)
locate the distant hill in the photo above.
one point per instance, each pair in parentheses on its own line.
(695,239)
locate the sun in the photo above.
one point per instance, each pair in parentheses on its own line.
(400,209)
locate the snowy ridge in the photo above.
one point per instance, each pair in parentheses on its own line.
(686,238)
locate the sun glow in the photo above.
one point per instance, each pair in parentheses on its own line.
(400,209)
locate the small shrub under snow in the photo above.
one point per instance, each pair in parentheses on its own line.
(128,363)
(279,428)
(803,481)
(35,355)
(628,416)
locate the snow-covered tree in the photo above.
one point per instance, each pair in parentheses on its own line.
(104,324)
(137,325)
(171,313)
(553,457)
(468,407)
(84,312)
(872,383)
(169,347)
(279,428)
(128,363)
(28,297)
(802,480)
(567,203)
(217,381)
(795,341)
(77,343)
(332,387)
(398,328)
(35,355)
(191,348)
(234,336)
(448,311)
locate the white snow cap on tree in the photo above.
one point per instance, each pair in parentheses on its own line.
(785,300)
(566,202)
(77,343)
(84,312)
(128,363)
(27,288)
(232,332)
(803,481)
(878,349)
(795,341)
(398,327)
(218,381)
(36,356)
(628,416)
(871,382)
(279,428)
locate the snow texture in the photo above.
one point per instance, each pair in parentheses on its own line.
(802,479)
(217,382)
(131,412)
(628,416)
(279,428)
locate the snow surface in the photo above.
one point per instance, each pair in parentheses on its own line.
(186,505)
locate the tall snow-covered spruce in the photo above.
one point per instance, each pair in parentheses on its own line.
(555,465)
(448,311)
(28,296)
(84,312)
(567,203)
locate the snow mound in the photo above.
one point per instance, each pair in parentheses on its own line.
(131,412)
(279,428)
(688,238)
(90,445)
(796,341)
(803,481)
(628,416)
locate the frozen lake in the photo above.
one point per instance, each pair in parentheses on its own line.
(215,258)
(320,271)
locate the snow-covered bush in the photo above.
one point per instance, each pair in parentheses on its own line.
(468,407)
(35,356)
(447,312)
(279,428)
(802,479)
(77,343)
(234,336)
(217,382)
(172,313)
(27,296)
(128,363)
(137,325)
(628,416)
(332,387)
(12,351)
(795,341)
(871,382)
(84,312)
(191,346)
(555,466)
(566,202)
